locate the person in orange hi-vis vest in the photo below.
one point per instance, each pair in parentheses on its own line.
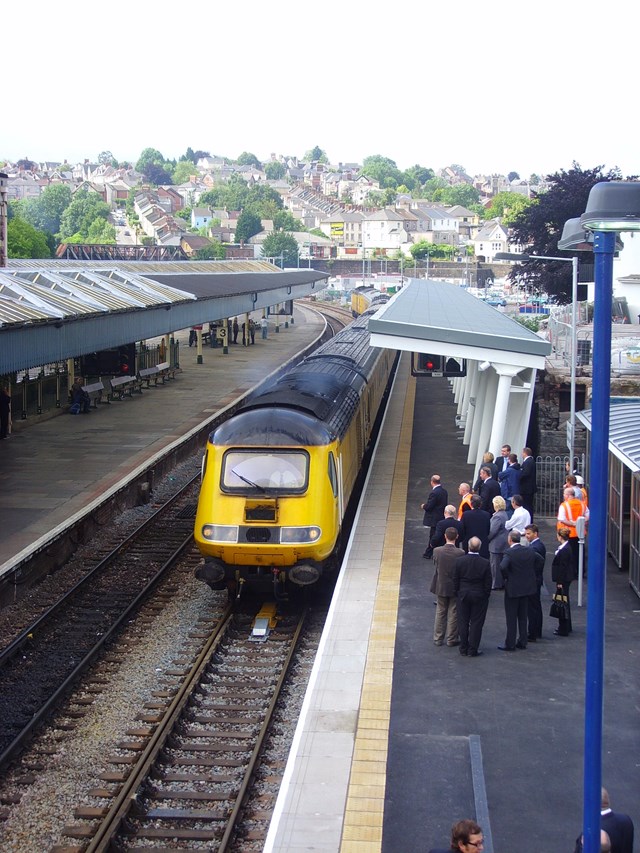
(570,510)
(464,490)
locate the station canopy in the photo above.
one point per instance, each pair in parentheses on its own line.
(441,318)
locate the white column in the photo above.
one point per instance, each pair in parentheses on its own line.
(482,390)
(487,405)
(471,406)
(505,372)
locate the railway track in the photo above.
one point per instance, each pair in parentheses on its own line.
(46,658)
(180,780)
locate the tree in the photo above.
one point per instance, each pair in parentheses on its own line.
(249,159)
(281,243)
(415,176)
(216,251)
(286,221)
(383,170)
(45,212)
(463,194)
(432,185)
(154,167)
(24,241)
(183,171)
(101,231)
(80,214)
(106,158)
(26,164)
(513,176)
(316,155)
(506,205)
(275,170)
(248,225)
(538,227)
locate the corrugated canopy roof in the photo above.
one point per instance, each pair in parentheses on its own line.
(624,432)
(37,291)
(447,319)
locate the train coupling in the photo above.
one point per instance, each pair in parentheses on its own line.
(264,622)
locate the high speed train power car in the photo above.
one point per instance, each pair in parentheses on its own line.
(277,475)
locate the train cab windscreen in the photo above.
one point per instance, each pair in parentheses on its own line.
(265,471)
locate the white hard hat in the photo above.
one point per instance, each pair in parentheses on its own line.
(579,480)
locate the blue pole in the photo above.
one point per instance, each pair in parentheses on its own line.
(603,247)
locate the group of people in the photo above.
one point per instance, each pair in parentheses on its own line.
(616,833)
(487,544)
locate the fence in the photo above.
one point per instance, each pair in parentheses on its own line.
(550,478)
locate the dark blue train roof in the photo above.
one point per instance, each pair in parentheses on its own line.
(315,401)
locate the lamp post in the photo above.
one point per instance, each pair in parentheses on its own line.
(612,207)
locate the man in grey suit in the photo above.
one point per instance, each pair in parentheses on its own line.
(444,559)
(519,568)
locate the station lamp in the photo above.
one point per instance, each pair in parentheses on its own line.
(612,206)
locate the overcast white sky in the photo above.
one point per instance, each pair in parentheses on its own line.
(517,86)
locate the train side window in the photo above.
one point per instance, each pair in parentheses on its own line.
(333,475)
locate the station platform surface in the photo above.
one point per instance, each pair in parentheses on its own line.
(399,738)
(52,469)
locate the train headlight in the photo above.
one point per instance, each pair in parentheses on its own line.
(299,535)
(220,533)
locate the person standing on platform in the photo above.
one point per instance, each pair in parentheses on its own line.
(5,411)
(252,331)
(444,559)
(569,511)
(503,462)
(617,825)
(497,540)
(236,329)
(489,489)
(519,517)
(532,536)
(466,836)
(264,325)
(472,583)
(464,490)
(519,568)
(487,459)
(449,520)
(562,573)
(476,522)
(433,510)
(509,479)
(528,480)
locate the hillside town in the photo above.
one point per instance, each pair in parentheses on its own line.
(331,202)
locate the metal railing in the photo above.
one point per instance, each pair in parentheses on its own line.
(551,472)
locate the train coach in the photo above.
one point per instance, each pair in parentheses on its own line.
(364,298)
(277,476)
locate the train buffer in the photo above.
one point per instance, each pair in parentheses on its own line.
(264,622)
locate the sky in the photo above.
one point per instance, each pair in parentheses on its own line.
(523,87)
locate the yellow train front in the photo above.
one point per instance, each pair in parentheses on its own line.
(278,475)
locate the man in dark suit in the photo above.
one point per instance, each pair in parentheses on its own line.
(476,522)
(519,568)
(449,520)
(489,489)
(503,461)
(532,536)
(528,480)
(472,581)
(618,826)
(434,509)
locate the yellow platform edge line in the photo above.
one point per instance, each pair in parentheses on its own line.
(356,833)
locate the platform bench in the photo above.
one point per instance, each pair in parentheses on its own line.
(122,386)
(95,393)
(149,373)
(166,371)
